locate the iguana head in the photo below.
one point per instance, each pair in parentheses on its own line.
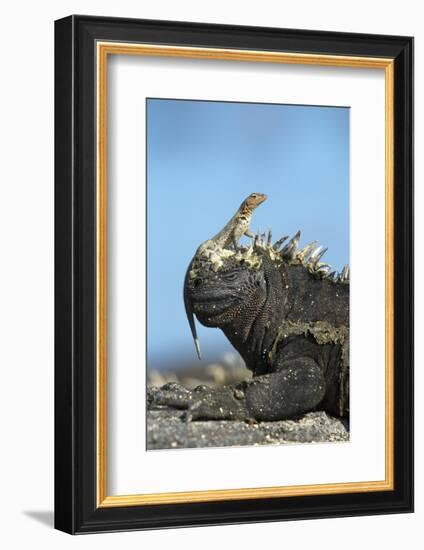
(217,298)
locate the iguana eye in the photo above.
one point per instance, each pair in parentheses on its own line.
(253,195)
(230,276)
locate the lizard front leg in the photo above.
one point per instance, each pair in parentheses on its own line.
(250,235)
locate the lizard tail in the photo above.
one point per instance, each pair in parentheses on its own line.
(190,317)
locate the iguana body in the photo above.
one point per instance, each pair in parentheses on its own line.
(287,316)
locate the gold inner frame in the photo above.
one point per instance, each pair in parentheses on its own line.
(104,49)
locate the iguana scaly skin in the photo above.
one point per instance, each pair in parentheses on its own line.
(229,235)
(287,314)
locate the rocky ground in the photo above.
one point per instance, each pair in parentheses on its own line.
(166,430)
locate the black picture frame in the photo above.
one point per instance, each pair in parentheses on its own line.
(76,509)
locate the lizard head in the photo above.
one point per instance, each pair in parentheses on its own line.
(254,200)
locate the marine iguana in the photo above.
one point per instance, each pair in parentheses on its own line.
(287,315)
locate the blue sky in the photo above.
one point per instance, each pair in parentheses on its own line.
(203,159)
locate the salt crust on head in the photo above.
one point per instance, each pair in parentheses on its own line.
(214,257)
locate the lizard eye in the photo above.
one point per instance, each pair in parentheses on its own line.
(253,195)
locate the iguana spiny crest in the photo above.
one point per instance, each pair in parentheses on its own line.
(213,256)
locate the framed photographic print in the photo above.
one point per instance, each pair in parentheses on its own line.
(234,254)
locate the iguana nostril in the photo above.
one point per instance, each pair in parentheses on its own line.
(197,283)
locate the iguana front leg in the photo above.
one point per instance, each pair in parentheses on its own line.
(296,388)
